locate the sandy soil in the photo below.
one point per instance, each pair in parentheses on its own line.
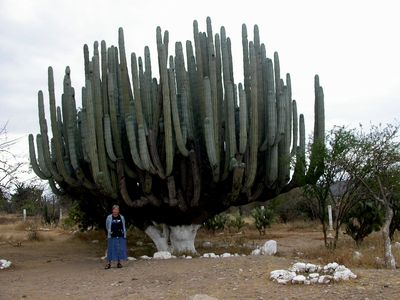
(67,267)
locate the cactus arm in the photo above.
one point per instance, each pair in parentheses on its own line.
(253,132)
(243,120)
(166,109)
(34,163)
(175,113)
(295,127)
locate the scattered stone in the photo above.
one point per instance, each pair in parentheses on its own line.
(357,256)
(201,297)
(210,255)
(95,241)
(162,255)
(4,264)
(131,258)
(188,257)
(226,255)
(270,248)
(145,257)
(207,244)
(256,252)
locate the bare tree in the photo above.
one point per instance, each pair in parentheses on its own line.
(9,165)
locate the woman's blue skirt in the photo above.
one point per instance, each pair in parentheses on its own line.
(116,249)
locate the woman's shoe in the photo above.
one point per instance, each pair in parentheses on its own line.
(119,265)
(107,266)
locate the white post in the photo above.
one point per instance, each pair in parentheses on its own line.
(61,215)
(330,217)
(24,214)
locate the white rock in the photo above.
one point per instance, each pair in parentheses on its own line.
(299,267)
(162,255)
(311,268)
(270,248)
(201,297)
(324,279)
(207,244)
(299,279)
(307,282)
(357,255)
(343,273)
(131,258)
(145,257)
(282,281)
(282,276)
(314,280)
(226,255)
(313,275)
(331,266)
(4,264)
(188,257)
(210,255)
(256,252)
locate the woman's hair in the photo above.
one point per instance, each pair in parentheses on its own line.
(115,207)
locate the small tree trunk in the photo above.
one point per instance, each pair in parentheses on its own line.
(324,231)
(390,262)
(159,238)
(182,238)
(176,239)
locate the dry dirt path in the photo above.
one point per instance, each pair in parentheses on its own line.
(71,269)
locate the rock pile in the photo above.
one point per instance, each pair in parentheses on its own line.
(306,273)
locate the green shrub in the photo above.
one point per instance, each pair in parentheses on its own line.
(217,222)
(263,218)
(365,218)
(237,222)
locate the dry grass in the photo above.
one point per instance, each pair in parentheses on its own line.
(371,252)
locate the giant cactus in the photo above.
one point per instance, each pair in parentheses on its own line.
(178,149)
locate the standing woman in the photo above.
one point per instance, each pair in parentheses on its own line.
(116,237)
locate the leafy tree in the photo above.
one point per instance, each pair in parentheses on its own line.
(377,167)
(365,218)
(334,185)
(27,197)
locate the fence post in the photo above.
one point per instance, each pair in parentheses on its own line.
(24,214)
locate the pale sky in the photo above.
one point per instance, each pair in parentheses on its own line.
(353,45)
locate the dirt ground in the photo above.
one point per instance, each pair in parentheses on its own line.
(67,266)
